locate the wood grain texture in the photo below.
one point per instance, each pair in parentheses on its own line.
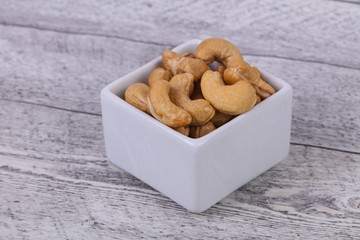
(322,31)
(75,194)
(68,71)
(64,70)
(55,180)
(325,102)
(303,197)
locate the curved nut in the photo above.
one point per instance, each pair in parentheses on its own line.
(177,64)
(136,95)
(221,69)
(230,99)
(236,71)
(263,89)
(217,49)
(199,131)
(181,86)
(258,99)
(197,92)
(220,118)
(188,54)
(163,109)
(241,70)
(183,130)
(261,93)
(159,74)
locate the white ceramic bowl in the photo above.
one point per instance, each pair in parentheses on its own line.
(195,173)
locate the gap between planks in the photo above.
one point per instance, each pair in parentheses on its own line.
(347,1)
(82,33)
(98,114)
(49,106)
(161,44)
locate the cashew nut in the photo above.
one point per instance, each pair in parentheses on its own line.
(181,86)
(220,118)
(241,70)
(236,68)
(136,95)
(221,69)
(197,92)
(178,99)
(177,64)
(199,131)
(217,49)
(258,99)
(183,130)
(230,99)
(236,71)
(263,89)
(188,54)
(159,74)
(163,109)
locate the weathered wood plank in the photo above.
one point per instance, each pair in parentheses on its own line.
(62,145)
(64,148)
(348,1)
(63,70)
(72,143)
(308,196)
(55,181)
(72,69)
(323,31)
(325,102)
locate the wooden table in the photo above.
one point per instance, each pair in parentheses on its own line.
(55,179)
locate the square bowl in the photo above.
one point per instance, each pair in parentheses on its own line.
(195,173)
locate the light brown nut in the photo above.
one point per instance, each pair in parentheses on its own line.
(258,99)
(177,64)
(220,118)
(221,69)
(183,130)
(159,74)
(261,93)
(136,95)
(236,71)
(263,89)
(241,70)
(181,86)
(197,92)
(163,109)
(230,99)
(236,68)
(188,54)
(199,131)
(217,49)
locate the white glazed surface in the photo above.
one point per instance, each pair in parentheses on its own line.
(195,173)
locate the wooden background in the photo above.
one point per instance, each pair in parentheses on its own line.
(56,56)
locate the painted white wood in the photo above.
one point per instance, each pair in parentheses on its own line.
(324,31)
(68,71)
(55,180)
(303,197)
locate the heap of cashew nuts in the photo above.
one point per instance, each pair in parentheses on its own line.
(189,97)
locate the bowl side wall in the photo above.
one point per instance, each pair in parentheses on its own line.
(241,152)
(196,173)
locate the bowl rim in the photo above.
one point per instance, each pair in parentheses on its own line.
(280,85)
